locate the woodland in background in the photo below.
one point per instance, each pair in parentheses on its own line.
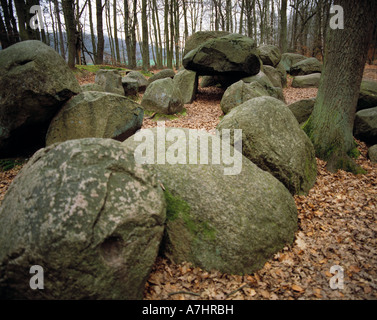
(154,32)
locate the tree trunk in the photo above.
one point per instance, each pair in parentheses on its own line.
(116,41)
(68,10)
(283,27)
(92,29)
(330,126)
(61,38)
(101,41)
(144,26)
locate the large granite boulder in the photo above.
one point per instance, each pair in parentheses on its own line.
(229,222)
(365,126)
(368,95)
(96,115)
(130,86)
(283,74)
(187,83)
(290,59)
(262,79)
(166,73)
(110,81)
(141,80)
(163,96)
(307,81)
(198,38)
(269,54)
(239,93)
(231,55)
(274,75)
(92,87)
(86,213)
(372,153)
(307,66)
(274,141)
(35,82)
(302,109)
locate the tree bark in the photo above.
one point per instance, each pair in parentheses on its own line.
(283,27)
(144,26)
(100,39)
(330,126)
(69,17)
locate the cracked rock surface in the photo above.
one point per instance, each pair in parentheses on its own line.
(89,216)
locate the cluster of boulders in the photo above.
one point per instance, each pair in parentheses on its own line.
(95,219)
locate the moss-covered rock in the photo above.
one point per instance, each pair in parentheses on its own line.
(274,141)
(163,96)
(239,93)
(269,54)
(231,223)
(35,82)
(86,213)
(96,115)
(110,81)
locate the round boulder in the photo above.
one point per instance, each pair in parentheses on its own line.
(239,93)
(110,81)
(228,222)
(96,115)
(232,55)
(365,126)
(270,55)
(274,141)
(87,214)
(35,82)
(163,96)
(307,66)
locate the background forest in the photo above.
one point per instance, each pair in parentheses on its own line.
(153,32)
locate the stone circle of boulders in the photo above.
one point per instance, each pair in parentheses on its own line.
(98,115)
(110,81)
(86,213)
(274,141)
(213,220)
(365,125)
(307,81)
(35,82)
(163,96)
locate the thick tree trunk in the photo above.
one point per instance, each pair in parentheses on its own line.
(330,126)
(100,39)
(283,27)
(144,26)
(68,10)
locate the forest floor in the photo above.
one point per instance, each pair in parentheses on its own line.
(337,226)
